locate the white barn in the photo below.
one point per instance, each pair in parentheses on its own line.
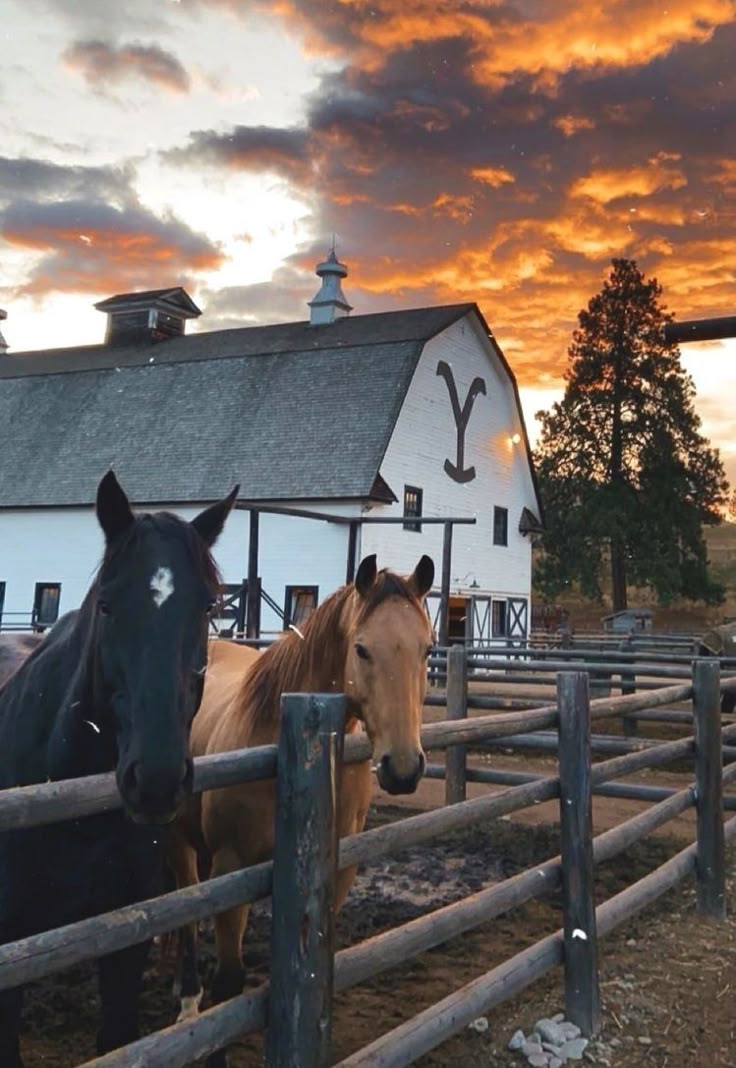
(357,418)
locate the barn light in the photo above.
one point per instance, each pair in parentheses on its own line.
(514,439)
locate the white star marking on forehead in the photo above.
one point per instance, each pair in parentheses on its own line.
(162,585)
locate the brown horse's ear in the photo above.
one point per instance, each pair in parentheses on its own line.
(113,508)
(366,575)
(422,577)
(210,522)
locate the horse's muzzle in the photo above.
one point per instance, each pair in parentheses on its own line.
(153,796)
(395,783)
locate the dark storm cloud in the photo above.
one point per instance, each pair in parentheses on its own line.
(92,247)
(103,64)
(251,148)
(40,179)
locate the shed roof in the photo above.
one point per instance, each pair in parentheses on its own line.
(290,411)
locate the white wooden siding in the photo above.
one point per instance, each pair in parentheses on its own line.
(65,545)
(425,435)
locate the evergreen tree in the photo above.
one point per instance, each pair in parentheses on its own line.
(626,478)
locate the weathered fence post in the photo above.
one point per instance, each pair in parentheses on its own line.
(304,866)
(457,708)
(710,868)
(582,994)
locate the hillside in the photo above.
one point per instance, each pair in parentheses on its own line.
(683,615)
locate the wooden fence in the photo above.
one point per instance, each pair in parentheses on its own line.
(305,970)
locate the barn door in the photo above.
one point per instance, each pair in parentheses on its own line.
(517,621)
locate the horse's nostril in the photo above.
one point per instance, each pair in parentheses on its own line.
(129,779)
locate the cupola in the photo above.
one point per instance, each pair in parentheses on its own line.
(153,315)
(330,302)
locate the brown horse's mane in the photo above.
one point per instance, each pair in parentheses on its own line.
(317,652)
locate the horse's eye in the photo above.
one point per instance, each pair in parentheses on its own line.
(103,608)
(362,651)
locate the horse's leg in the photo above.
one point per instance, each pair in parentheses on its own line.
(187,984)
(120,976)
(355,797)
(229,978)
(230,926)
(11,1003)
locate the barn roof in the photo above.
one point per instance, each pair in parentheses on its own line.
(290,411)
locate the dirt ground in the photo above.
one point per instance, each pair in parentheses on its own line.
(668,979)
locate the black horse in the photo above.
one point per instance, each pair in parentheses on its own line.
(114,686)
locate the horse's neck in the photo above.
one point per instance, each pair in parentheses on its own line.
(314,663)
(82,741)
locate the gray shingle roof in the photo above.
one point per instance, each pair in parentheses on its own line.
(289,411)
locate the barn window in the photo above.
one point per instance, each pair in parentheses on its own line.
(46,603)
(412,507)
(498,619)
(299,603)
(500,526)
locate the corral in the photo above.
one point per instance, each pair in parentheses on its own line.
(643,669)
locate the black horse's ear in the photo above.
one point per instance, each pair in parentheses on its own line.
(210,522)
(422,577)
(366,574)
(113,509)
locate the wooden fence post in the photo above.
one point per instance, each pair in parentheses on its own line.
(304,867)
(457,708)
(710,868)
(582,994)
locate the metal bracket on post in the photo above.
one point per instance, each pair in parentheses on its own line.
(304,869)
(582,993)
(711,863)
(457,708)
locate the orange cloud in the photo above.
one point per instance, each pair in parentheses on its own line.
(559,38)
(604,186)
(101,64)
(572,124)
(493,176)
(93,247)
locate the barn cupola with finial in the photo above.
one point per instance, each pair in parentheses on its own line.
(329,303)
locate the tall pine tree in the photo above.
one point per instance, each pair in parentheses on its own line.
(626,478)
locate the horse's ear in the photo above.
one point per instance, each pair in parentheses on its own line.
(210,522)
(113,508)
(366,575)
(422,577)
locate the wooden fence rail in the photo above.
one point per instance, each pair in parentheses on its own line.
(304,976)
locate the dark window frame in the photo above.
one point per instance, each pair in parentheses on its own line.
(412,514)
(3,586)
(298,588)
(44,620)
(499,627)
(500,525)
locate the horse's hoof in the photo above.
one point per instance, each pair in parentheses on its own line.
(189,1007)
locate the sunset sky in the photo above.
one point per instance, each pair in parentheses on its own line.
(484,150)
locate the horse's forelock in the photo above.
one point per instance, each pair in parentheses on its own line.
(167,525)
(388,584)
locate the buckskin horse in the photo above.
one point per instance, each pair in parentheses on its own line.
(14,648)
(370,640)
(113,686)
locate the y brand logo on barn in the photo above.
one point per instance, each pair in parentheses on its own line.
(457,470)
